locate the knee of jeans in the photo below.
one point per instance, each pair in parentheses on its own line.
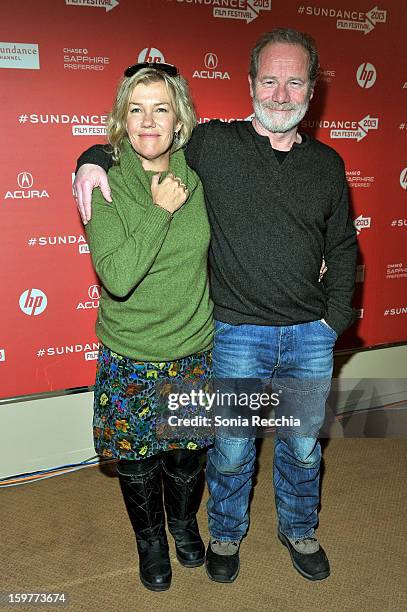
(231,456)
(306,450)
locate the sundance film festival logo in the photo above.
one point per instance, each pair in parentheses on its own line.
(25,181)
(373,17)
(398,223)
(361,223)
(211,62)
(354,130)
(403,179)
(108,5)
(358,133)
(392,312)
(82,125)
(33,302)
(60,240)
(243,10)
(89,350)
(94,292)
(19,55)
(366,75)
(150,55)
(348,19)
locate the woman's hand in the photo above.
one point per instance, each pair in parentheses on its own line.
(170,194)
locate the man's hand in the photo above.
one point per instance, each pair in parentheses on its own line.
(88,177)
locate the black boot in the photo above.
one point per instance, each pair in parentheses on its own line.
(140,482)
(183,486)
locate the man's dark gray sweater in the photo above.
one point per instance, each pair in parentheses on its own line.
(271,226)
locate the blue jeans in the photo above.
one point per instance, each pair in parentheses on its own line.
(298,360)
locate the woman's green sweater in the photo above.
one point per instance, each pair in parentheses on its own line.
(155,303)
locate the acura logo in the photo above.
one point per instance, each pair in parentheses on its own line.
(94,292)
(211,61)
(25,180)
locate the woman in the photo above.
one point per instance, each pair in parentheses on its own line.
(149,248)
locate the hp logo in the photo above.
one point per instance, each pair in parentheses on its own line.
(366,75)
(150,54)
(33,302)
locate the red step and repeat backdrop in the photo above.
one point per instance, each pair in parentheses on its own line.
(60,62)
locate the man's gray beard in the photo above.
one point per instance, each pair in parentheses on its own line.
(263,116)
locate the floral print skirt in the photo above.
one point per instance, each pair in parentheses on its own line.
(128,418)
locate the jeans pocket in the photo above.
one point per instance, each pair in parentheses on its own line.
(220,327)
(327,327)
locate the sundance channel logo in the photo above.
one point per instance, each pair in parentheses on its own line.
(19,55)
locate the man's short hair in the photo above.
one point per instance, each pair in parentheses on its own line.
(292,37)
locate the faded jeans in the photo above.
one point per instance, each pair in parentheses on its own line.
(297,359)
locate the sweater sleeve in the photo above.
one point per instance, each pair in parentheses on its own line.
(120,260)
(194,148)
(340,257)
(99,155)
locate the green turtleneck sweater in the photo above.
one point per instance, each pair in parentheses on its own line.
(155,303)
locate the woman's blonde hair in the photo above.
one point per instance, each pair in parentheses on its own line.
(181,101)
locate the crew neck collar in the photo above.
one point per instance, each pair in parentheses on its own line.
(305,139)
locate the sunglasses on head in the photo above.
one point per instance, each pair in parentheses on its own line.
(161,67)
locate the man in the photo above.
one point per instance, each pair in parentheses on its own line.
(277,203)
